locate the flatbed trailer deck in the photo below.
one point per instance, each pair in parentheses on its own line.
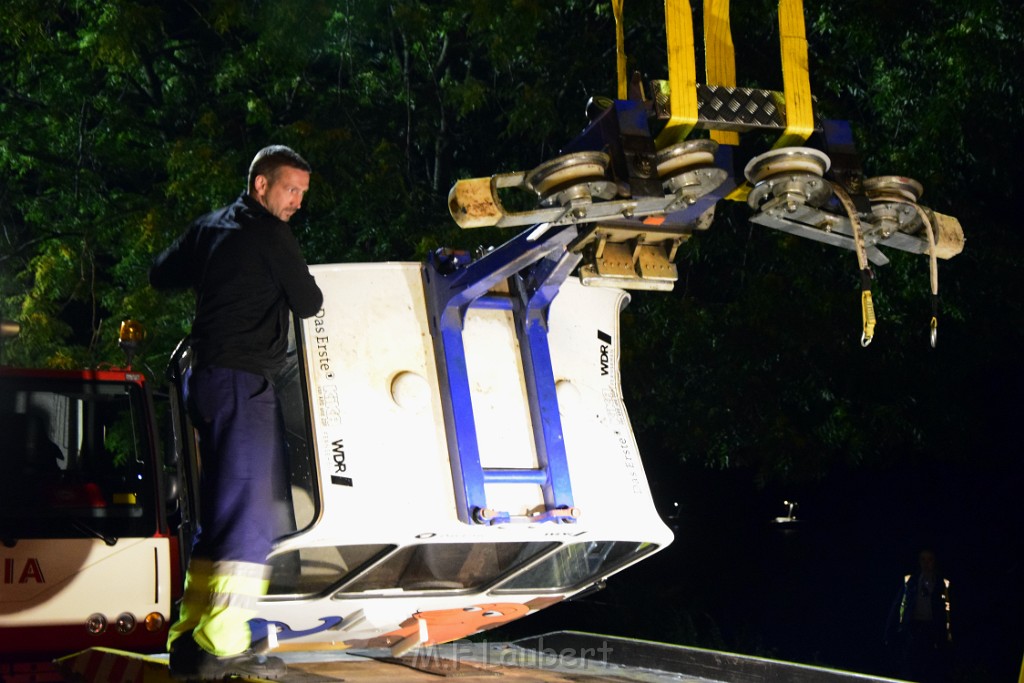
(558,657)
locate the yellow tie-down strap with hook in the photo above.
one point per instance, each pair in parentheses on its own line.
(867,316)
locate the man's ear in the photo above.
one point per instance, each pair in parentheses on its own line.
(260,184)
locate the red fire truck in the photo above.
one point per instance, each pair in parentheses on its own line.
(88,555)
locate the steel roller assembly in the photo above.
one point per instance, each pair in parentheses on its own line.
(687,169)
(893,201)
(578,187)
(572,179)
(787,178)
(792,193)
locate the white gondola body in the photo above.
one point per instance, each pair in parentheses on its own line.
(381,557)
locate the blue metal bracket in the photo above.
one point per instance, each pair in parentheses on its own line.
(623,131)
(535,263)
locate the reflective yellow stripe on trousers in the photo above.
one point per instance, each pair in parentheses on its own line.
(220,599)
(194,600)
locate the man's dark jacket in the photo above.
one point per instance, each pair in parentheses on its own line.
(247,272)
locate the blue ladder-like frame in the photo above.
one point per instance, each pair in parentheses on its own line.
(534,265)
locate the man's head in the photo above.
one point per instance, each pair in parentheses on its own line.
(926,558)
(278,179)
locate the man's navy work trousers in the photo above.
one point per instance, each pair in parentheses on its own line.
(242,462)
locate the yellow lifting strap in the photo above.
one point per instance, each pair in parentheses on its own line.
(620,49)
(867,307)
(796,78)
(719,57)
(720,69)
(682,73)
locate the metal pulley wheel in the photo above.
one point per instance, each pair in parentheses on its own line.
(578,176)
(895,186)
(794,175)
(687,168)
(893,202)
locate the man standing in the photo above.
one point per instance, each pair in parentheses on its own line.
(248,274)
(919,623)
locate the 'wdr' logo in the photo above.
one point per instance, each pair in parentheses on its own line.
(606,343)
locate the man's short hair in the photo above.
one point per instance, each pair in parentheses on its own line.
(269,159)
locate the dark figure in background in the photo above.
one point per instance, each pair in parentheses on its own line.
(919,626)
(248,275)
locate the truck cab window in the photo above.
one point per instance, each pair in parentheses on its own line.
(75,459)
